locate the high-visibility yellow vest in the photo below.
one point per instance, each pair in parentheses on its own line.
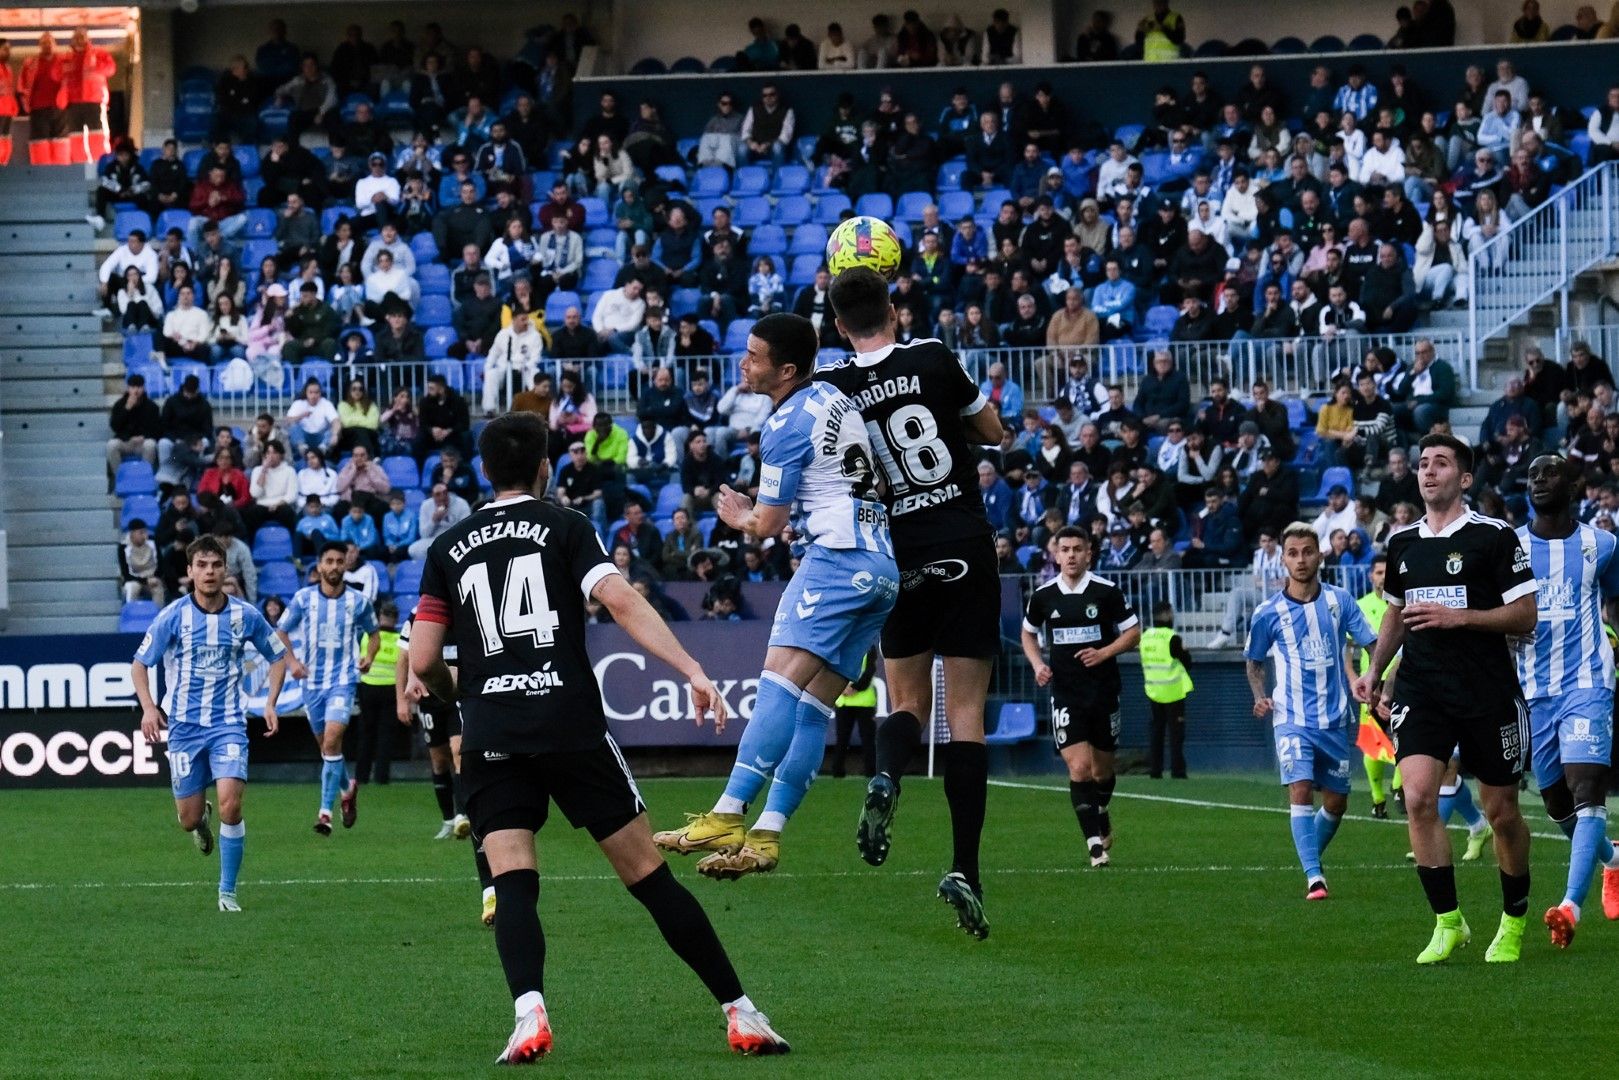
(1373,605)
(381,672)
(1156,46)
(1166,678)
(866,698)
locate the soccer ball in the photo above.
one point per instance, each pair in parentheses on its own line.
(865,241)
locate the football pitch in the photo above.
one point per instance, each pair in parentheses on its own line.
(1194,955)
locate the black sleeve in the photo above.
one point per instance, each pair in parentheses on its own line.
(868,671)
(1393,585)
(1035,614)
(1177,649)
(1120,610)
(1510,563)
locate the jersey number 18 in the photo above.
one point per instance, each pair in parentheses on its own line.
(525,606)
(909,448)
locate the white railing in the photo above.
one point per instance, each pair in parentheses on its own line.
(1542,253)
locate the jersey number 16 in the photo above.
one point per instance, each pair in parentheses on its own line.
(525,606)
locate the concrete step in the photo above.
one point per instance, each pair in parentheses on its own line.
(18,625)
(64,394)
(36,527)
(67,431)
(81,261)
(59,295)
(53,562)
(65,592)
(84,487)
(22,364)
(104,609)
(29,238)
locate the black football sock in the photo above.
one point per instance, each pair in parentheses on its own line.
(481,861)
(1439,882)
(1515,894)
(686,928)
(444,792)
(518,937)
(966,789)
(1082,793)
(460,793)
(897,739)
(1104,798)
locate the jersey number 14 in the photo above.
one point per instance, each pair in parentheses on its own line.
(525,606)
(909,448)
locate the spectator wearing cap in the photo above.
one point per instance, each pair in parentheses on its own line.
(515,350)
(1271,497)
(138,565)
(1339,513)
(1121,551)
(136,426)
(312,327)
(376,195)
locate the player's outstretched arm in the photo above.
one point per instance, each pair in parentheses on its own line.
(647,628)
(278,675)
(741,513)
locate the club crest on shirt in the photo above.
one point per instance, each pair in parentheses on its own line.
(1090,611)
(1453,564)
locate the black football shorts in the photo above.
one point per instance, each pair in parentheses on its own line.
(949,601)
(593,788)
(1494,743)
(1085,718)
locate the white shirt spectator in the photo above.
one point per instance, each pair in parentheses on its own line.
(1329,521)
(618,314)
(430,526)
(745,411)
(1239,210)
(1382,166)
(509,352)
(187,325)
(379,283)
(1169,456)
(1355,144)
(1600,136)
(1517,86)
(367,187)
(363,578)
(315,418)
(787,124)
(273,488)
(1110,173)
(121,259)
(1270,574)
(321,482)
(837,57)
(404,258)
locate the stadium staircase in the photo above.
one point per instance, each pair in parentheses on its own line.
(55,389)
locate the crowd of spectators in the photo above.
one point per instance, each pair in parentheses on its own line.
(1291,218)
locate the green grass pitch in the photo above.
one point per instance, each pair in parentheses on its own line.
(1195,955)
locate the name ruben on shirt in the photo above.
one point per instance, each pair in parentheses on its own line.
(500,530)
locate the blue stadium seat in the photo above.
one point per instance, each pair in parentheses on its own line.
(1327,43)
(1337,474)
(829,208)
(706,205)
(674,175)
(992,198)
(949,178)
(254,252)
(791,210)
(134,478)
(1128,134)
(803,269)
(1365,43)
(599,274)
(1160,321)
(1211,48)
(559,302)
(911,205)
(768,240)
(684,301)
(791,180)
(331,215)
(433,311)
(137,350)
(903,231)
(424,247)
(723,63)
(751,212)
(687,65)
(1297,415)
(191,160)
(875,204)
(126,221)
(808,240)
(601,243)
(709,182)
(438,340)
(434,278)
(157,380)
(750,180)
(596,215)
(279,579)
(136,616)
(261,223)
(384,586)
(401,471)
(396,108)
(649,65)
(180,369)
(736,335)
(274,120)
(669,497)
(353,102)
(1289,44)
(955,205)
(1155,167)
(408,576)
(805,145)
(321,371)
(172,219)
(1015,724)
(248,158)
(143,507)
(591,301)
(614,371)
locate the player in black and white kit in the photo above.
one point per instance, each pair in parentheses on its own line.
(1458,584)
(1087,622)
(925,417)
(508,586)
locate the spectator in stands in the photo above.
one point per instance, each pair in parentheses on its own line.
(312,421)
(1271,419)
(121,180)
(878,51)
(399,424)
(654,451)
(360,418)
(723,282)
(1498,129)
(1544,381)
(217,198)
(575,406)
(768,127)
(761,53)
(1516,86)
(1161,33)
(441,511)
(453,471)
(1512,403)
(376,196)
(310,96)
(515,350)
(224,482)
(1374,427)
(387,285)
(560,258)
(138,565)
(133,252)
(1603,129)
(1586,370)
(579,486)
(311,326)
(1388,292)
(989,154)
(634,224)
(476,320)
(138,306)
(398,339)
(639,534)
(136,427)
(1164,396)
(915,46)
(1526,184)
(573,340)
(1096,42)
(273,487)
(681,542)
(1529,27)
(399,529)
(1271,498)
(472,123)
(655,341)
(186,328)
(1337,516)
(836,53)
(467,223)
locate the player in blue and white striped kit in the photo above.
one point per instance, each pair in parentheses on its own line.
(200,640)
(816,475)
(1304,628)
(332,617)
(1566,670)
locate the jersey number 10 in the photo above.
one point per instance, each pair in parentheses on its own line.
(909,448)
(525,607)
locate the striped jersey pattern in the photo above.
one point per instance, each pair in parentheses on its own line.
(1306,641)
(202,655)
(331,627)
(1569,650)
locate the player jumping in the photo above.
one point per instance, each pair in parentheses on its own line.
(1303,628)
(508,585)
(200,640)
(332,617)
(924,414)
(815,466)
(1567,674)
(1458,585)
(1088,623)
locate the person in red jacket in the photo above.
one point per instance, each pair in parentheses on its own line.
(8,101)
(216,197)
(46,98)
(85,71)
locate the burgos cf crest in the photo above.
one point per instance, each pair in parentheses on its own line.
(1090,611)
(1453,563)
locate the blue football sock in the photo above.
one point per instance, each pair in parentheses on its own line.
(1303,822)
(766,738)
(231,840)
(797,770)
(1590,832)
(1460,802)
(331,781)
(1326,827)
